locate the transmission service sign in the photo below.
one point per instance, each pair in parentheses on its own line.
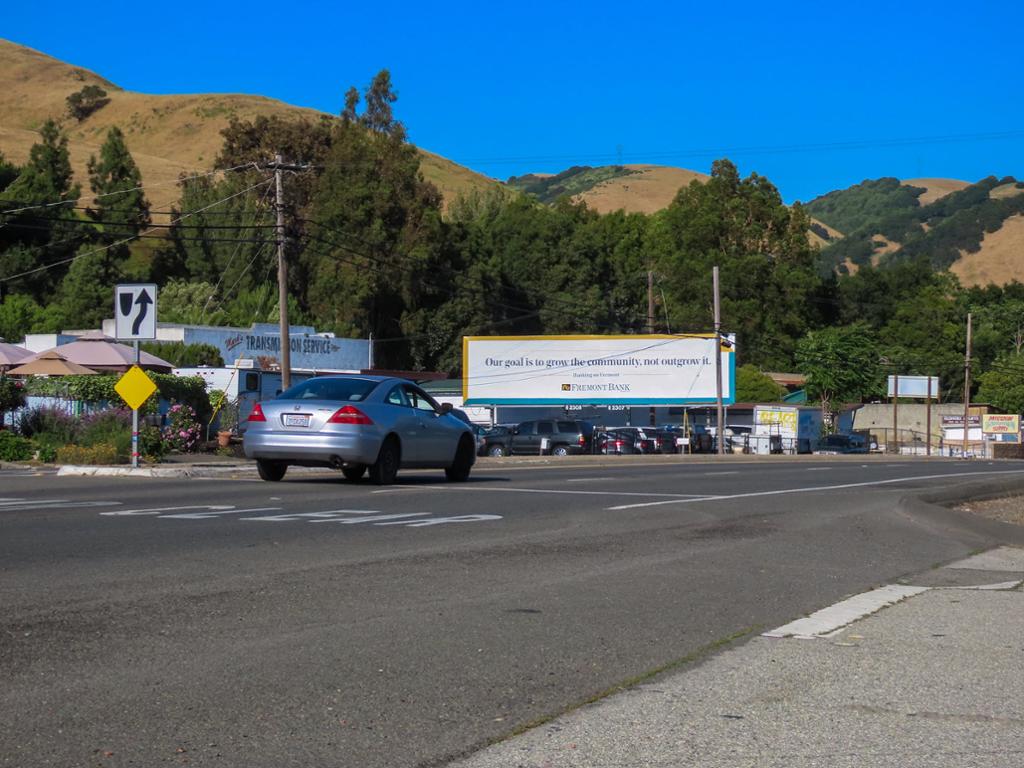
(621,370)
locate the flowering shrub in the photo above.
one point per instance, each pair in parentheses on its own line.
(183,431)
(12,396)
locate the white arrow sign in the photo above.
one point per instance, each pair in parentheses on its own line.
(135,311)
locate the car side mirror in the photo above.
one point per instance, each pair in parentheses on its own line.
(446,408)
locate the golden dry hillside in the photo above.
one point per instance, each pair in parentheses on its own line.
(167,135)
(935,188)
(648,189)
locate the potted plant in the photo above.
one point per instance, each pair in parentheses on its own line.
(227,413)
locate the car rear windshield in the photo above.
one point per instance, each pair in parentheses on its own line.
(330,389)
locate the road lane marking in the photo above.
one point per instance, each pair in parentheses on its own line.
(818,469)
(158,510)
(732,472)
(28,506)
(687,496)
(589,479)
(812,489)
(830,620)
(211,514)
(371,518)
(444,520)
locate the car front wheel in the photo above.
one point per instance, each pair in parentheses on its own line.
(458,472)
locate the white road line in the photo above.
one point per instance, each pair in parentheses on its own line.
(829,620)
(23,502)
(158,510)
(589,479)
(710,474)
(674,496)
(30,506)
(818,469)
(210,514)
(371,518)
(817,488)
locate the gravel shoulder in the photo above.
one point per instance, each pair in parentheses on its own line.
(1009,509)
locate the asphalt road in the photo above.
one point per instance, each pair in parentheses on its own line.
(315,622)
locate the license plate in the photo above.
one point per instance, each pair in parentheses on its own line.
(296,419)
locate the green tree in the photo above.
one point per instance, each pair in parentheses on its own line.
(767,266)
(841,364)
(752,386)
(116,182)
(83,103)
(39,235)
(1003,384)
(20,314)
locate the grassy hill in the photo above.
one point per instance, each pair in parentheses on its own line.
(167,135)
(974,230)
(633,188)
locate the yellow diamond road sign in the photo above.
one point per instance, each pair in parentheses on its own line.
(135,387)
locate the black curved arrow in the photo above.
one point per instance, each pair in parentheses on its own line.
(143,301)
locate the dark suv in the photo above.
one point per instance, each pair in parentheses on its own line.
(563,438)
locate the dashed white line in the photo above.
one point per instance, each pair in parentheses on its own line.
(818,469)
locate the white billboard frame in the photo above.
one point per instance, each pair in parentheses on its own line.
(595,369)
(914,386)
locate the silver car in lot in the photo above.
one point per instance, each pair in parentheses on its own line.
(355,424)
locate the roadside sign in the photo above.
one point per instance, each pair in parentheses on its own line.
(915,387)
(135,387)
(1000,424)
(135,311)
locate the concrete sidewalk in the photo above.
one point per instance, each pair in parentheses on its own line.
(936,679)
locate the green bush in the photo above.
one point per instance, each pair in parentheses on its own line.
(46,452)
(14,448)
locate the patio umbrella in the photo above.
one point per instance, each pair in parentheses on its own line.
(51,363)
(11,355)
(102,353)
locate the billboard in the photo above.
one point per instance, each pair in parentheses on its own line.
(657,369)
(1000,424)
(915,386)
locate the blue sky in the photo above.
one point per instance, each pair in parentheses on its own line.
(532,86)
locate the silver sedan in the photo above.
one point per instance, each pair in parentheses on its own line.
(355,423)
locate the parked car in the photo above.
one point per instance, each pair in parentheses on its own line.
(564,438)
(700,439)
(652,440)
(841,444)
(355,424)
(494,441)
(615,442)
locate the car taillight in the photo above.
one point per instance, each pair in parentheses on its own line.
(349,414)
(257,413)
(619,443)
(583,440)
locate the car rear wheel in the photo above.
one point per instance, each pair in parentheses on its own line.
(496,450)
(354,471)
(385,469)
(271,471)
(560,450)
(458,472)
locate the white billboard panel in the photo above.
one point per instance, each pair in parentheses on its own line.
(915,386)
(621,370)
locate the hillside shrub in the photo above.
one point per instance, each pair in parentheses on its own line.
(13,447)
(83,103)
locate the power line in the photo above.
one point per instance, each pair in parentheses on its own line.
(71,259)
(136,189)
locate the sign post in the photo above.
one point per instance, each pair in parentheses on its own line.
(135,319)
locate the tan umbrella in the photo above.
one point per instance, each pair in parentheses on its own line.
(11,355)
(51,363)
(102,353)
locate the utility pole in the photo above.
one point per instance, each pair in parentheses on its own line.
(282,278)
(895,412)
(282,264)
(967,383)
(928,419)
(720,430)
(650,327)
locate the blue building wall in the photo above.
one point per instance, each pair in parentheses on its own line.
(262,343)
